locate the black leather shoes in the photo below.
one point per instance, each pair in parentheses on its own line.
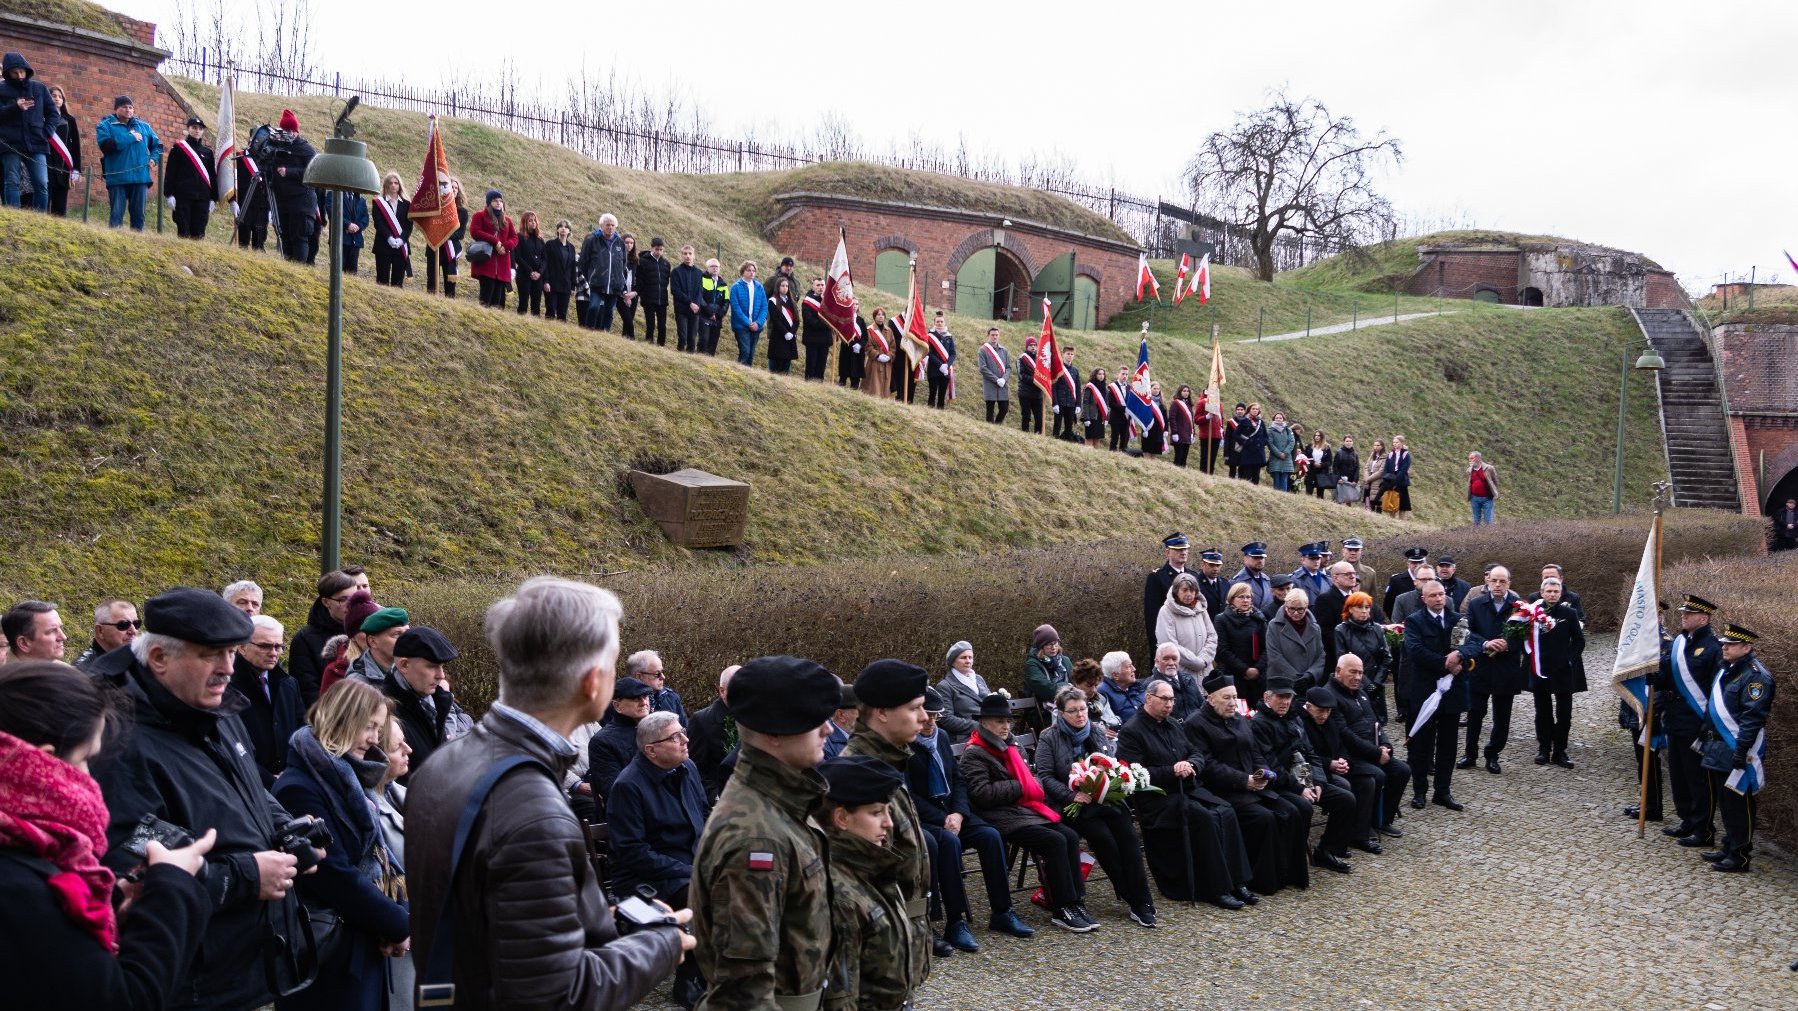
(1676,831)
(1541,758)
(1227,902)
(1492,766)
(1562,760)
(1448,801)
(1323,858)
(941,948)
(1693,842)
(1465,763)
(1247,895)
(1712,856)
(1418,801)
(1390,831)
(1732,864)
(1367,846)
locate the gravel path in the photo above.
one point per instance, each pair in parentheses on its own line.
(1538,896)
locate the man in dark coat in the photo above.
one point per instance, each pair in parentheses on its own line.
(602,264)
(1430,655)
(251,204)
(653,273)
(1324,734)
(325,620)
(1735,748)
(1030,395)
(615,745)
(1376,773)
(937,367)
(28,119)
(1064,400)
(1156,584)
(713,739)
(275,710)
(1279,729)
(1785,526)
(1231,766)
(1416,560)
(1682,690)
(188,762)
(1212,585)
(685,295)
(1457,588)
(1191,838)
(187,181)
(815,334)
(428,713)
(1498,674)
(296,204)
(933,777)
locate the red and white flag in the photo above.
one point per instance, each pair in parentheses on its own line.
(1049,369)
(838,307)
(1145,278)
(224,175)
(914,336)
(1180,279)
(1201,279)
(433,205)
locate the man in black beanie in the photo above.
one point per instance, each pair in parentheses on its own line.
(890,695)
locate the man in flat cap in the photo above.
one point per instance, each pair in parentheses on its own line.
(761,901)
(890,694)
(1300,776)
(190,763)
(1682,691)
(530,924)
(422,700)
(1735,743)
(613,747)
(1156,584)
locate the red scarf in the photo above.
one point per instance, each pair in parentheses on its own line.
(1014,764)
(52,810)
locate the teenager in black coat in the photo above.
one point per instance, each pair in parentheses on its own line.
(558,271)
(653,274)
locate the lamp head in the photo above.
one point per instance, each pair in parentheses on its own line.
(343,165)
(1651,361)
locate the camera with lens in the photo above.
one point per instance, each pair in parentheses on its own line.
(299,839)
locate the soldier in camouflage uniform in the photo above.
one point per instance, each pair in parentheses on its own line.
(874,940)
(760,892)
(891,696)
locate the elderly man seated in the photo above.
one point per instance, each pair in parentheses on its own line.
(1121,688)
(1189,694)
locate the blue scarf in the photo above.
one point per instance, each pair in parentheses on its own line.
(1079,737)
(939,780)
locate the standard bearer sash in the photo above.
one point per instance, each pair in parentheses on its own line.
(62,152)
(786,313)
(997,360)
(393,223)
(1683,679)
(882,346)
(1099,401)
(1752,778)
(1185,413)
(198,163)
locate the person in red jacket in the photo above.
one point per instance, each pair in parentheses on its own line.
(1208,433)
(492,226)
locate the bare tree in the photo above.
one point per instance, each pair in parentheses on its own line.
(206,32)
(284,45)
(1292,170)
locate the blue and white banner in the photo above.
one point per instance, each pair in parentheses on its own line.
(1639,638)
(1751,778)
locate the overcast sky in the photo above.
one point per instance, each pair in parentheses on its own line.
(1653,126)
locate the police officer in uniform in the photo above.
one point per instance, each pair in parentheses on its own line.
(1406,581)
(1681,693)
(1156,584)
(1254,573)
(760,895)
(1212,586)
(875,949)
(1741,698)
(890,694)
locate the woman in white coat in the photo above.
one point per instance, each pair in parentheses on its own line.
(1184,622)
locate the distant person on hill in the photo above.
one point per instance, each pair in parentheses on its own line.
(1154,438)
(653,274)
(1785,526)
(602,265)
(1117,393)
(995,377)
(783,326)
(1030,395)
(938,371)
(355,223)
(1397,475)
(1373,475)
(295,202)
(528,264)
(852,354)
(627,299)
(392,232)
(1282,446)
(748,311)
(1093,408)
(1482,489)
(685,295)
(1209,434)
(558,271)
(1250,440)
(65,172)
(250,204)
(1320,474)
(1066,399)
(28,119)
(1236,416)
(449,255)
(1181,422)
(187,181)
(877,359)
(1345,471)
(128,149)
(714,307)
(494,227)
(815,333)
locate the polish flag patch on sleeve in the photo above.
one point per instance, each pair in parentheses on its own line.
(761,860)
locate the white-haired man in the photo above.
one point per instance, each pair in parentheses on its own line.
(276,709)
(244,595)
(115,624)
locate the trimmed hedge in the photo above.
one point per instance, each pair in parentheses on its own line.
(1756,593)
(846,614)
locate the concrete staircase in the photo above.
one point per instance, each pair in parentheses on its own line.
(1692,415)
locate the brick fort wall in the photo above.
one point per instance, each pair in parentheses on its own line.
(1760,374)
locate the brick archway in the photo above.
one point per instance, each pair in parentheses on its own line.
(1088,270)
(1780,465)
(887,242)
(984,238)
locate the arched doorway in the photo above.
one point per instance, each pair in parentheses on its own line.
(1487,295)
(992,283)
(892,272)
(1785,489)
(1531,296)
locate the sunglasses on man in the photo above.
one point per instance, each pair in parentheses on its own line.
(125,626)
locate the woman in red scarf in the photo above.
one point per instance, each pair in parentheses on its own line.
(1006,794)
(65,946)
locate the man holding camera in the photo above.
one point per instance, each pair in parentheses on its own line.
(188,766)
(296,204)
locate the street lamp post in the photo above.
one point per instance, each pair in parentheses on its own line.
(342,168)
(1650,361)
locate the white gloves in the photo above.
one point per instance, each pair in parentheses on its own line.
(234,209)
(394,242)
(944,369)
(1056,409)
(883,358)
(855,349)
(171,203)
(211,205)
(1002,381)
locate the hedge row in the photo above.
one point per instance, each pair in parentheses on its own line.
(846,614)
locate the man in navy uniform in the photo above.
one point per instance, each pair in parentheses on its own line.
(1309,576)
(1254,562)
(1735,743)
(1212,586)
(1157,583)
(1406,581)
(1682,692)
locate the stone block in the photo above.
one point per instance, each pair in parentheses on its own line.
(694,509)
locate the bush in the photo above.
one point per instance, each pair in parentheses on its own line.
(846,614)
(1756,593)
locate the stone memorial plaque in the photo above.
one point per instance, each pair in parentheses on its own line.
(694,509)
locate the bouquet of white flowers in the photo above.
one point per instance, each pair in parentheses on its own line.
(1107,780)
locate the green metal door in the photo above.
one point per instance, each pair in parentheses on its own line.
(1086,303)
(892,272)
(974,284)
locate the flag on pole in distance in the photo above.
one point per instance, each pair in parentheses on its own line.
(1143,410)
(1639,638)
(914,336)
(1214,384)
(1049,369)
(839,293)
(433,205)
(1180,279)
(1791,261)
(1145,278)
(1201,279)
(224,174)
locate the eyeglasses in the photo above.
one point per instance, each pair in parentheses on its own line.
(343,599)
(678,735)
(124,626)
(272,647)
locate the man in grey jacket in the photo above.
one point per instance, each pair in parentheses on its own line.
(995,377)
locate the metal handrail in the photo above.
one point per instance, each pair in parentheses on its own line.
(1701,322)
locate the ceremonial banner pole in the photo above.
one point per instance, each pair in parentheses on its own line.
(1660,491)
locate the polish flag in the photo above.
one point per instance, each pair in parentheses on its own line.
(838,308)
(224,128)
(1180,279)
(1201,279)
(1145,278)
(1049,369)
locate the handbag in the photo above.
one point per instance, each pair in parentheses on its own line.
(1348,493)
(1389,502)
(479,251)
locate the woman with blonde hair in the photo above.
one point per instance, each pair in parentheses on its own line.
(393,232)
(357,898)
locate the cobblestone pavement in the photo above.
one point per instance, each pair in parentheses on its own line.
(1537,896)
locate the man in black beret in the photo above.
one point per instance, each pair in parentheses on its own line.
(422,701)
(891,698)
(190,762)
(761,904)
(615,744)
